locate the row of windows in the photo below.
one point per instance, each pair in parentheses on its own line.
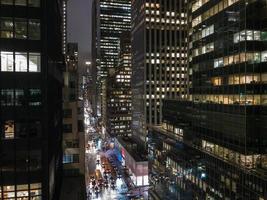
(204,49)
(203,33)
(20,61)
(32,191)
(72,143)
(20,28)
(29,3)
(20,97)
(250,35)
(12,129)
(213,11)
(198,4)
(70,158)
(240,79)
(248,161)
(240,99)
(250,57)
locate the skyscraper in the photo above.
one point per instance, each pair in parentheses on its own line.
(159,46)
(73,128)
(217,140)
(114,18)
(228,57)
(119,93)
(94,52)
(31,102)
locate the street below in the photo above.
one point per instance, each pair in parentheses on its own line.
(106,177)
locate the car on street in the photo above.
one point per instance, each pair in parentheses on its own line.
(97,190)
(119,175)
(92,178)
(106,184)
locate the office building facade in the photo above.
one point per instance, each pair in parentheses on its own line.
(114,18)
(73,128)
(220,132)
(31,99)
(119,93)
(159,50)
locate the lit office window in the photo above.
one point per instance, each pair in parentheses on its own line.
(20,2)
(9,129)
(23,62)
(6,27)
(22,191)
(7,61)
(34,29)
(34,62)
(20,28)
(20,62)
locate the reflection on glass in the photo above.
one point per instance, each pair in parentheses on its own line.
(20,2)
(34,3)
(19,97)
(34,62)
(7,97)
(20,28)
(34,29)
(34,97)
(7,2)
(6,27)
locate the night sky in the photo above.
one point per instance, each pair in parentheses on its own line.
(79,27)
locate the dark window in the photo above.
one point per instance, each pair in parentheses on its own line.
(67,113)
(80,126)
(67,128)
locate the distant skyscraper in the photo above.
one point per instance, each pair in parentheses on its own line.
(64,25)
(114,18)
(119,93)
(94,62)
(31,99)
(159,46)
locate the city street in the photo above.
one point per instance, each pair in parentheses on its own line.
(105,193)
(105,176)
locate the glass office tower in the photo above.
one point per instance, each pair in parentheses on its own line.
(215,143)
(227,59)
(159,43)
(30,99)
